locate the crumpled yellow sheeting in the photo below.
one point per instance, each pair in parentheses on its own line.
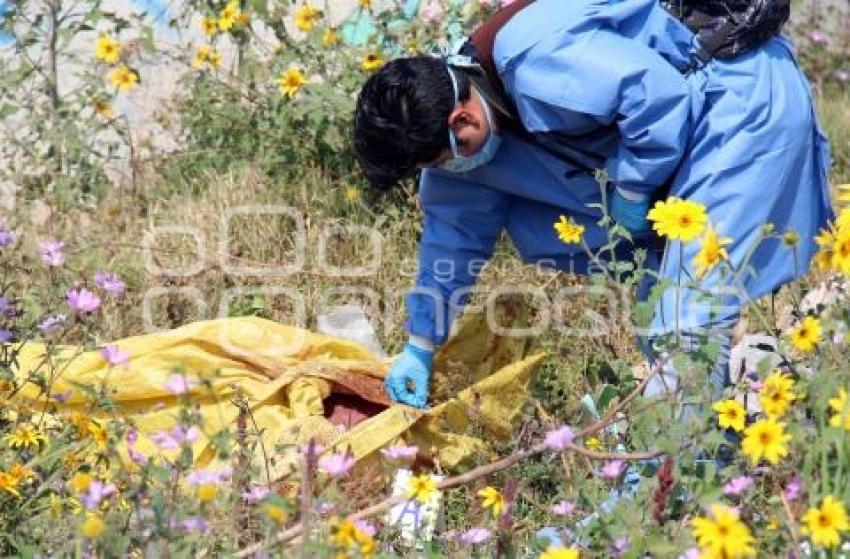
(283,373)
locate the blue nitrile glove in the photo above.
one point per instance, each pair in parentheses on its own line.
(629,209)
(412,367)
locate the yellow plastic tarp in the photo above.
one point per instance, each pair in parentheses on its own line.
(285,376)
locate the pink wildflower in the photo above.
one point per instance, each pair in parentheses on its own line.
(82,300)
(560,438)
(336,465)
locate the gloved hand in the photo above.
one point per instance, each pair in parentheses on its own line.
(629,210)
(412,367)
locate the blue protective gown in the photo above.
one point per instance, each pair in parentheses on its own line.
(739,136)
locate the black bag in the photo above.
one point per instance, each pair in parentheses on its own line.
(727,28)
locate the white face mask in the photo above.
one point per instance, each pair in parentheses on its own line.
(460,163)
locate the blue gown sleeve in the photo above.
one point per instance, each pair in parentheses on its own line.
(599,78)
(463,221)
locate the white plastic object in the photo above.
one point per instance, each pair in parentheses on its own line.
(350,323)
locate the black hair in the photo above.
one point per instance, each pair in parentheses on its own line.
(401,119)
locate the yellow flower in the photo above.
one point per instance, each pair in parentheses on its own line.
(123,78)
(207,492)
(777,394)
(206,56)
(373,61)
(98,434)
(791,238)
(492,498)
(347,537)
(722,535)
(568,230)
(841,407)
(730,414)
(228,15)
(305,17)
(92,527)
(675,218)
(765,439)
(807,335)
(330,37)
(773,525)
(103,108)
(824,524)
(9,484)
(421,488)
(840,249)
(21,473)
(825,240)
(711,252)
(594,444)
(243,19)
(210,26)
(107,49)
(365,4)
(351,193)
(80,482)
(276,513)
(559,553)
(291,81)
(25,436)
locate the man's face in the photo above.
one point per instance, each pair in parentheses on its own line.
(468,122)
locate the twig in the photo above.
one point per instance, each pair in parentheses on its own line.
(790,517)
(488,469)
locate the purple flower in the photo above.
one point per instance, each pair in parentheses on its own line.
(51,252)
(737,485)
(400,452)
(560,438)
(179,384)
(96,493)
(174,439)
(109,282)
(612,469)
(135,455)
(366,527)
(336,465)
(6,335)
(164,441)
(324,509)
(794,489)
(113,355)
(841,75)
(691,553)
(620,547)
(256,494)
(208,477)
(82,300)
(194,524)
(62,397)
(817,37)
(7,307)
(51,324)
(564,508)
(7,236)
(475,535)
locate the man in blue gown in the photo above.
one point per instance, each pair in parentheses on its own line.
(626,82)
